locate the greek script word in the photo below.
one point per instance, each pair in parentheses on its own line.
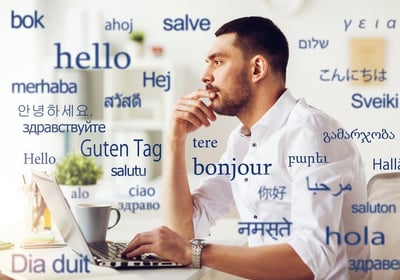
(26,21)
(392,164)
(142,191)
(386,101)
(353,238)
(116,25)
(313,43)
(376,208)
(207,143)
(308,160)
(96,60)
(186,24)
(22,263)
(138,206)
(274,193)
(364,24)
(321,187)
(365,136)
(59,87)
(42,158)
(131,101)
(230,169)
(87,127)
(273,229)
(373,264)
(161,81)
(53,110)
(364,75)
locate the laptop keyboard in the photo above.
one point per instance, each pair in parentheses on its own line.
(109,250)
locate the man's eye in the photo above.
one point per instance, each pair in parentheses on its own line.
(217,62)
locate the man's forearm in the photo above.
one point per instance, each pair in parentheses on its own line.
(177,200)
(264,262)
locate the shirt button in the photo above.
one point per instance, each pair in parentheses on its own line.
(255,217)
(246,179)
(254,145)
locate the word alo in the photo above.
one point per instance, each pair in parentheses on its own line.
(355,238)
(230,169)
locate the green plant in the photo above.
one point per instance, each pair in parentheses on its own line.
(77,170)
(137,36)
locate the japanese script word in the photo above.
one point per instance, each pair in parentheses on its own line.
(273,229)
(365,136)
(364,75)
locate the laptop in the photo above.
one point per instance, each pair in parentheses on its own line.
(99,253)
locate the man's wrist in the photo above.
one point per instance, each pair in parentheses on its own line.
(197,248)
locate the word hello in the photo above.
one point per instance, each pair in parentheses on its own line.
(99,58)
(41,158)
(186,24)
(26,21)
(22,263)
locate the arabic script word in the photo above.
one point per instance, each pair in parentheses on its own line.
(321,187)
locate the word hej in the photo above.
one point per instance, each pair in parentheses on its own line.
(22,264)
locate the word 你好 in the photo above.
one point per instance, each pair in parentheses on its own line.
(230,169)
(53,110)
(273,229)
(272,193)
(30,264)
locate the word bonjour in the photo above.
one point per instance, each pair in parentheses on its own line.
(22,263)
(230,169)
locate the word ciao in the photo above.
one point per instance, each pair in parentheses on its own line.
(355,134)
(230,169)
(386,101)
(369,24)
(22,263)
(186,24)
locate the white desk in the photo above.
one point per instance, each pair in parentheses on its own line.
(225,232)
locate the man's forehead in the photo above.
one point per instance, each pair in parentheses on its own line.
(223,44)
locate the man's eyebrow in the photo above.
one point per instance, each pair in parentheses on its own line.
(214,55)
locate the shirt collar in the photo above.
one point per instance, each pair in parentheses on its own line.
(275,116)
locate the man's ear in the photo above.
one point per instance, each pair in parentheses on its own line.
(259,68)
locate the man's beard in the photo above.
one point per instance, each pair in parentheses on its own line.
(234,101)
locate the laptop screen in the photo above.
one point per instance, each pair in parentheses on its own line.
(61,213)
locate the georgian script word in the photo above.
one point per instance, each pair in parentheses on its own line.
(273,229)
(321,187)
(365,136)
(52,110)
(347,75)
(230,169)
(386,101)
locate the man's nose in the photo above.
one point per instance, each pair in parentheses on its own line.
(207,77)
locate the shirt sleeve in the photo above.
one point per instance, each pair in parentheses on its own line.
(319,192)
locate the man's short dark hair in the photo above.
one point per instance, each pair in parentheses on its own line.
(258,35)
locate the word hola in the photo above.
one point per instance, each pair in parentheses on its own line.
(99,59)
(353,238)
(186,24)
(160,81)
(26,21)
(364,24)
(386,101)
(42,158)
(22,263)
(116,25)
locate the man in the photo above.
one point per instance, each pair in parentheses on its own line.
(296,234)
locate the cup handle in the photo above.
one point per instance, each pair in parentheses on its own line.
(118,217)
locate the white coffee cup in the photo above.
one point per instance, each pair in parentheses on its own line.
(93,219)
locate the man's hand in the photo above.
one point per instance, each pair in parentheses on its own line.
(162,241)
(191,113)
